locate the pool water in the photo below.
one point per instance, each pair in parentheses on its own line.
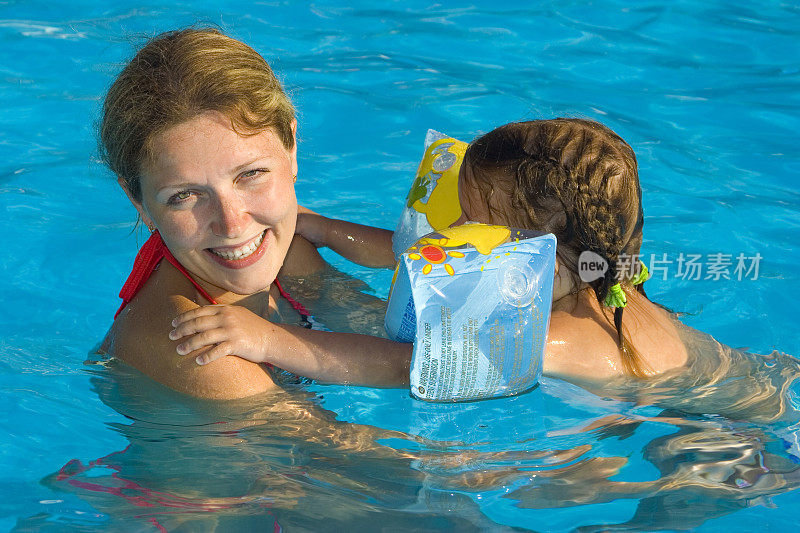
(708,95)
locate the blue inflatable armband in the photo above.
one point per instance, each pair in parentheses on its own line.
(475,300)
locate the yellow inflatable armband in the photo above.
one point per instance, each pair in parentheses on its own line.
(432,203)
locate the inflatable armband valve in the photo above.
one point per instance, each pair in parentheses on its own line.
(475,300)
(432,203)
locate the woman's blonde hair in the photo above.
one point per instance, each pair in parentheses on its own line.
(178,75)
(574,178)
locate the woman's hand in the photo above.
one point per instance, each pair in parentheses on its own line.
(227,329)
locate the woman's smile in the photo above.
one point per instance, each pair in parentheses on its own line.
(242,255)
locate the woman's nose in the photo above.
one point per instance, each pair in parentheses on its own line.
(231,217)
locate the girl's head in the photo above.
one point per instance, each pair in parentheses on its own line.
(574,178)
(176,77)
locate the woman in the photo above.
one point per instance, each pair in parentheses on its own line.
(202,139)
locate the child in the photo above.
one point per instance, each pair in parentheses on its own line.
(578,180)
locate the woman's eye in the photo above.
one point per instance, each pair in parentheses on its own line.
(179,197)
(252,173)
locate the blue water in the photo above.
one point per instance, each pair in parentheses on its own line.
(708,95)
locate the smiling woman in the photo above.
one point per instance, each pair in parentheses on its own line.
(227,213)
(201,137)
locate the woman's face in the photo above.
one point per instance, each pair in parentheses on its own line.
(224,204)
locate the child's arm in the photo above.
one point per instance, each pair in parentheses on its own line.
(330,357)
(365,245)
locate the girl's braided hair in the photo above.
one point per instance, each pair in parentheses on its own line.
(574,178)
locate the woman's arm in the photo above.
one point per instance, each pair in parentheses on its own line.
(365,245)
(216,331)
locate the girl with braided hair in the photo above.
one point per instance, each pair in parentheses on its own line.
(577,179)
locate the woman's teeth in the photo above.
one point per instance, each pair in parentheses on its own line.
(240,253)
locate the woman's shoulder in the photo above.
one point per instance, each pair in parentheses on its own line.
(139,337)
(302,258)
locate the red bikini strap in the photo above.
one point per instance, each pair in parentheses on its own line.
(171,258)
(297,306)
(151,252)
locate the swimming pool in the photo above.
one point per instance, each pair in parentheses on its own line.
(705,92)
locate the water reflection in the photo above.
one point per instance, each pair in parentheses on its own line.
(682,449)
(275,459)
(706,469)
